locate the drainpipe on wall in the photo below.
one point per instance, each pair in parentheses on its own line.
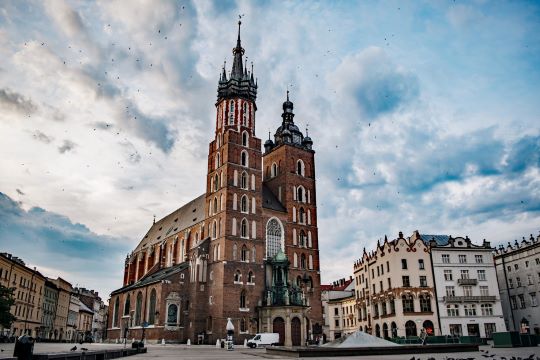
(435,290)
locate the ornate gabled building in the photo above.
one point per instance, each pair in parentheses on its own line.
(395,289)
(246,249)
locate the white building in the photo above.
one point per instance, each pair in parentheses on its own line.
(466,288)
(518,273)
(339,309)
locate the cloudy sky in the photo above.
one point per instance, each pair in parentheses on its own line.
(424,115)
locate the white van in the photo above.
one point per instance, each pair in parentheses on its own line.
(264,339)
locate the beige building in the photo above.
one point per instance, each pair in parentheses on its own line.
(29,286)
(394,289)
(62,309)
(343,317)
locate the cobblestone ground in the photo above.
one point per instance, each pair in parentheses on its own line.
(177,352)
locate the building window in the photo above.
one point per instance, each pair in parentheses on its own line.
(244,228)
(138,310)
(423,281)
(462,259)
(300,168)
(486,309)
(115,312)
(244,161)
(479,259)
(534,301)
(529,279)
(274,171)
(302,216)
(237,276)
(406,281)
(250,277)
(245,253)
(404,264)
(510,283)
(244,180)
(408,303)
(243,325)
(273,237)
(243,299)
(336,311)
(467,291)
(302,238)
(127,306)
(513,303)
(231,112)
(516,266)
(172,314)
(244,114)
(521,301)
(244,204)
(336,323)
(245,138)
(446,258)
(302,261)
(450,291)
(421,264)
(470,310)
(464,274)
(448,275)
(481,275)
(490,328)
(425,303)
(484,291)
(300,194)
(518,281)
(452,310)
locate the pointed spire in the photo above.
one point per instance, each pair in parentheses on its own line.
(238,52)
(224,75)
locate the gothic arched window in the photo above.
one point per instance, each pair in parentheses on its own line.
(214,229)
(303,261)
(216,182)
(245,253)
(300,168)
(244,180)
(302,239)
(300,194)
(274,170)
(250,277)
(127,306)
(243,299)
(245,138)
(244,228)
(231,112)
(244,114)
(115,312)
(152,308)
(218,161)
(274,237)
(302,216)
(215,205)
(138,309)
(244,161)
(244,204)
(237,276)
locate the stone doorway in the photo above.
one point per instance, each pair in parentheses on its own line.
(278,326)
(296,331)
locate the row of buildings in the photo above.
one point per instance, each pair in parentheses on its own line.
(50,309)
(439,285)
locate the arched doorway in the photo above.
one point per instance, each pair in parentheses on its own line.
(296,331)
(385,330)
(428,326)
(410,328)
(393,329)
(279,327)
(377,330)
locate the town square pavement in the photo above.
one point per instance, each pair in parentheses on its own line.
(180,352)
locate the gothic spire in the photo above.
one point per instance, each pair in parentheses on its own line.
(238,52)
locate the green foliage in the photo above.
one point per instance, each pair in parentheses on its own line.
(7,299)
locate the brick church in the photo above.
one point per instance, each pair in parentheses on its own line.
(247,249)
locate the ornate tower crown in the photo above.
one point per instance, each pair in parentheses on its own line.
(241,83)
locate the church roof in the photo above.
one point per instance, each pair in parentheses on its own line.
(162,274)
(270,201)
(180,219)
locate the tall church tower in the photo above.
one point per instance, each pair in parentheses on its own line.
(234,204)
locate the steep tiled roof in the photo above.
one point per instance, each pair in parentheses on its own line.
(180,219)
(439,239)
(162,274)
(270,201)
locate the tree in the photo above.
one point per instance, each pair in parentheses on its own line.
(7,300)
